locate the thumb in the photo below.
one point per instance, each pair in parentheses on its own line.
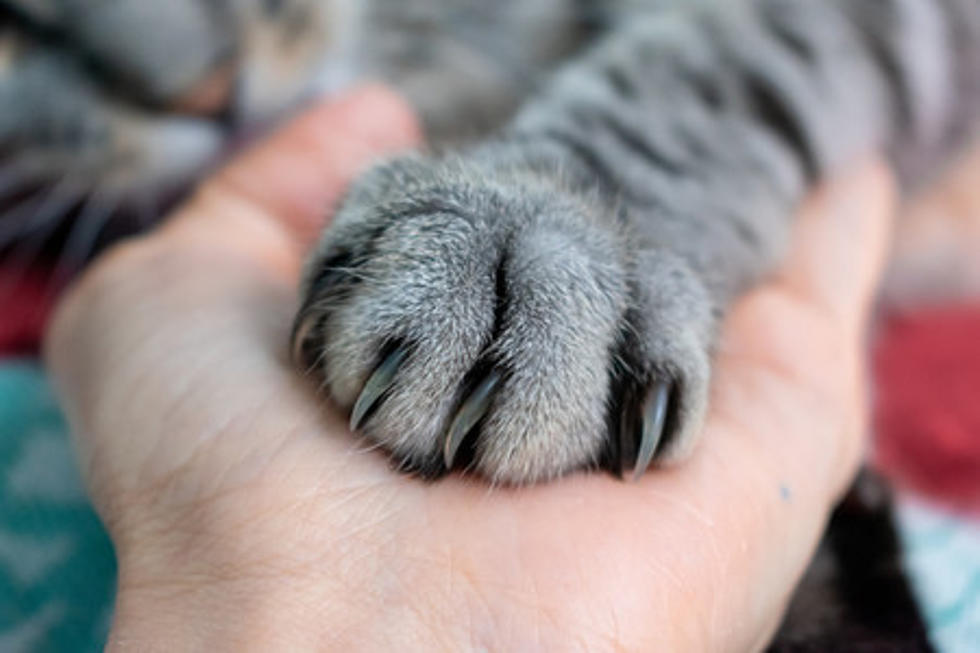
(284,187)
(301,170)
(837,258)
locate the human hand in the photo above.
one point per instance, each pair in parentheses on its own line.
(246,516)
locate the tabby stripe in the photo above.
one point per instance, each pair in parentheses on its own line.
(586,155)
(874,39)
(773,114)
(588,117)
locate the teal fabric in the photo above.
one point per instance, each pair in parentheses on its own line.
(942,556)
(57,567)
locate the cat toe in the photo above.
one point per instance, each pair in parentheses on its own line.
(500,336)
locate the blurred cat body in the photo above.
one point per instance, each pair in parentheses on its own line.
(134,96)
(545,298)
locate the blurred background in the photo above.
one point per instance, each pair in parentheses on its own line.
(98,138)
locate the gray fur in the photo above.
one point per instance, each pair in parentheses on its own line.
(129,70)
(625,207)
(586,251)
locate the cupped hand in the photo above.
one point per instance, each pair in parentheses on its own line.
(245,515)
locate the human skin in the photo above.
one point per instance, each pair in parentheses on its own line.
(246,517)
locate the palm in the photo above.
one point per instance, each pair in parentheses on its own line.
(237,451)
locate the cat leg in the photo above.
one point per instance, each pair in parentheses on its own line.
(550,300)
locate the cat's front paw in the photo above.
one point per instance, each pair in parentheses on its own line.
(502,327)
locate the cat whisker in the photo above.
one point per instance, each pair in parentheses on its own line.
(11,222)
(15,177)
(25,241)
(366,448)
(49,204)
(95,214)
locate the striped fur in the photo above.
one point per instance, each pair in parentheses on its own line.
(632,168)
(663,163)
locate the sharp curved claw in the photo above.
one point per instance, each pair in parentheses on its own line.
(331,275)
(473,409)
(301,332)
(377,385)
(654,419)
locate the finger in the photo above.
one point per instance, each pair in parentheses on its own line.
(800,339)
(298,173)
(798,342)
(840,243)
(786,421)
(205,275)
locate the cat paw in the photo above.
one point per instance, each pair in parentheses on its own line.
(504,327)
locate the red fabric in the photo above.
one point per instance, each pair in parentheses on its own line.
(25,301)
(927,419)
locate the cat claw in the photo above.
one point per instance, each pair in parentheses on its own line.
(654,415)
(301,332)
(472,411)
(377,385)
